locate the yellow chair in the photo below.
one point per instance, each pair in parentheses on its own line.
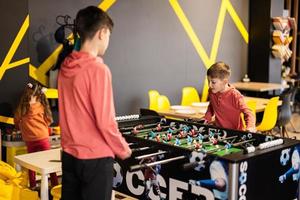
(270,116)
(205,88)
(189,95)
(251,104)
(163,103)
(56,192)
(153,95)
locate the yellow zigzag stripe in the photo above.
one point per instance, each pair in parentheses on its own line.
(7,120)
(39,73)
(6,63)
(191,33)
(239,24)
(208,61)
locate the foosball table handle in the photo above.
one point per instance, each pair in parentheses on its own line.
(139,149)
(192,165)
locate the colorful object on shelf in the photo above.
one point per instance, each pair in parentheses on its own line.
(281,23)
(281,37)
(281,51)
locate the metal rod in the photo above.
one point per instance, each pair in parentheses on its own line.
(145,165)
(150,155)
(220,140)
(224,147)
(140,149)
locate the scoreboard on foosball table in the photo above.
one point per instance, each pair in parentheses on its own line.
(184,160)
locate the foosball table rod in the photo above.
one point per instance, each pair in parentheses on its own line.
(140,149)
(150,155)
(146,165)
(192,165)
(228,146)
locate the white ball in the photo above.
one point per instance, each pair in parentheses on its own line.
(118,175)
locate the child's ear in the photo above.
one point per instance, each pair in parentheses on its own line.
(226,81)
(102,32)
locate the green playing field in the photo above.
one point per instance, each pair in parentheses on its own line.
(219,148)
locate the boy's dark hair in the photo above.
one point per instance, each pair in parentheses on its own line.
(219,70)
(89,20)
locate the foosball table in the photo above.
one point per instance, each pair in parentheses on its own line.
(175,159)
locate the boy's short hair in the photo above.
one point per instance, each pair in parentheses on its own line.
(219,70)
(89,20)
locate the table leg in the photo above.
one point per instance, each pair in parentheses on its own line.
(44,187)
(113,195)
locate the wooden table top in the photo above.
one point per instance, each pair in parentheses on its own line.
(258,86)
(260,107)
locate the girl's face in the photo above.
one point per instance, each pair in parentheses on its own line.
(217,85)
(33,99)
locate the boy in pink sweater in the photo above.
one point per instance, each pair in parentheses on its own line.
(90,135)
(226,103)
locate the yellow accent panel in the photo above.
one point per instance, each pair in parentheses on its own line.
(18,63)
(7,120)
(51,93)
(218,32)
(208,61)
(14,47)
(238,22)
(39,73)
(205,90)
(106,4)
(191,33)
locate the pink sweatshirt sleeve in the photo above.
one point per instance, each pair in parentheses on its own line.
(104,111)
(209,113)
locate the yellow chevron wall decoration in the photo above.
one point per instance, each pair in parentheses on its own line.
(6,65)
(39,73)
(209,60)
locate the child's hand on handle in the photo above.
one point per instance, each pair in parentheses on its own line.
(252,129)
(127,154)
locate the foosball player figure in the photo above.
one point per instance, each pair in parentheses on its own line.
(158,127)
(150,174)
(200,137)
(213,140)
(151,135)
(157,138)
(197,145)
(182,134)
(177,142)
(164,138)
(169,136)
(189,140)
(192,133)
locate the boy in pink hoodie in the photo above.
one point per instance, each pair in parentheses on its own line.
(90,135)
(225,102)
